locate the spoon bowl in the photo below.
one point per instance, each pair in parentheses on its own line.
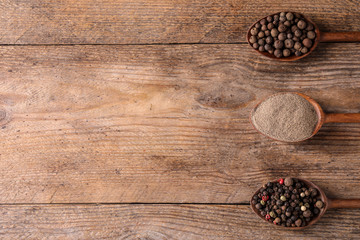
(320,37)
(292,57)
(328,204)
(322,116)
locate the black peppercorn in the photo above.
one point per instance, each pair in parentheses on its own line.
(297,53)
(301,24)
(252,39)
(307,43)
(269,40)
(278,44)
(289,16)
(286,52)
(261,34)
(311,35)
(282,36)
(278,54)
(270,26)
(304,50)
(263,21)
(289,36)
(263,28)
(310,27)
(267,33)
(254,31)
(261,48)
(282,28)
(289,43)
(297,46)
(268,47)
(298,33)
(269,18)
(255,45)
(261,42)
(287,23)
(274,32)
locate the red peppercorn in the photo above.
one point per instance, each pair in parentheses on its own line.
(281,181)
(267,217)
(265,198)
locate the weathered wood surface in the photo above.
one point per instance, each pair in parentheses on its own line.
(144,21)
(165,123)
(161,222)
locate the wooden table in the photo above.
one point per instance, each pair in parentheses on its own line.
(126,119)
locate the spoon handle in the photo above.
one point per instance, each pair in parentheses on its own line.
(340,37)
(342,118)
(344,203)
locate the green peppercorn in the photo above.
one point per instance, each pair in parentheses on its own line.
(307,205)
(283,198)
(272,214)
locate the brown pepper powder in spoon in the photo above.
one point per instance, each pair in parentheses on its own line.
(285,117)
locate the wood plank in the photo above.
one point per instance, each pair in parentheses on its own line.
(167,21)
(165,123)
(161,222)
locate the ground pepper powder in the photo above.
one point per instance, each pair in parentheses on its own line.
(285,117)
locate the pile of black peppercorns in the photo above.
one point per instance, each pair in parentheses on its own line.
(289,202)
(283,35)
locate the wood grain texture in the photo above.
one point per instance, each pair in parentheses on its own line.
(149,21)
(165,123)
(161,222)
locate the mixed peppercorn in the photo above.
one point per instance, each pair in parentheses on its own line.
(288,202)
(283,35)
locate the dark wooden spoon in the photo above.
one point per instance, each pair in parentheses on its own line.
(328,204)
(320,37)
(322,117)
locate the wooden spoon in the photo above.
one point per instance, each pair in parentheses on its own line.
(328,204)
(322,117)
(320,37)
